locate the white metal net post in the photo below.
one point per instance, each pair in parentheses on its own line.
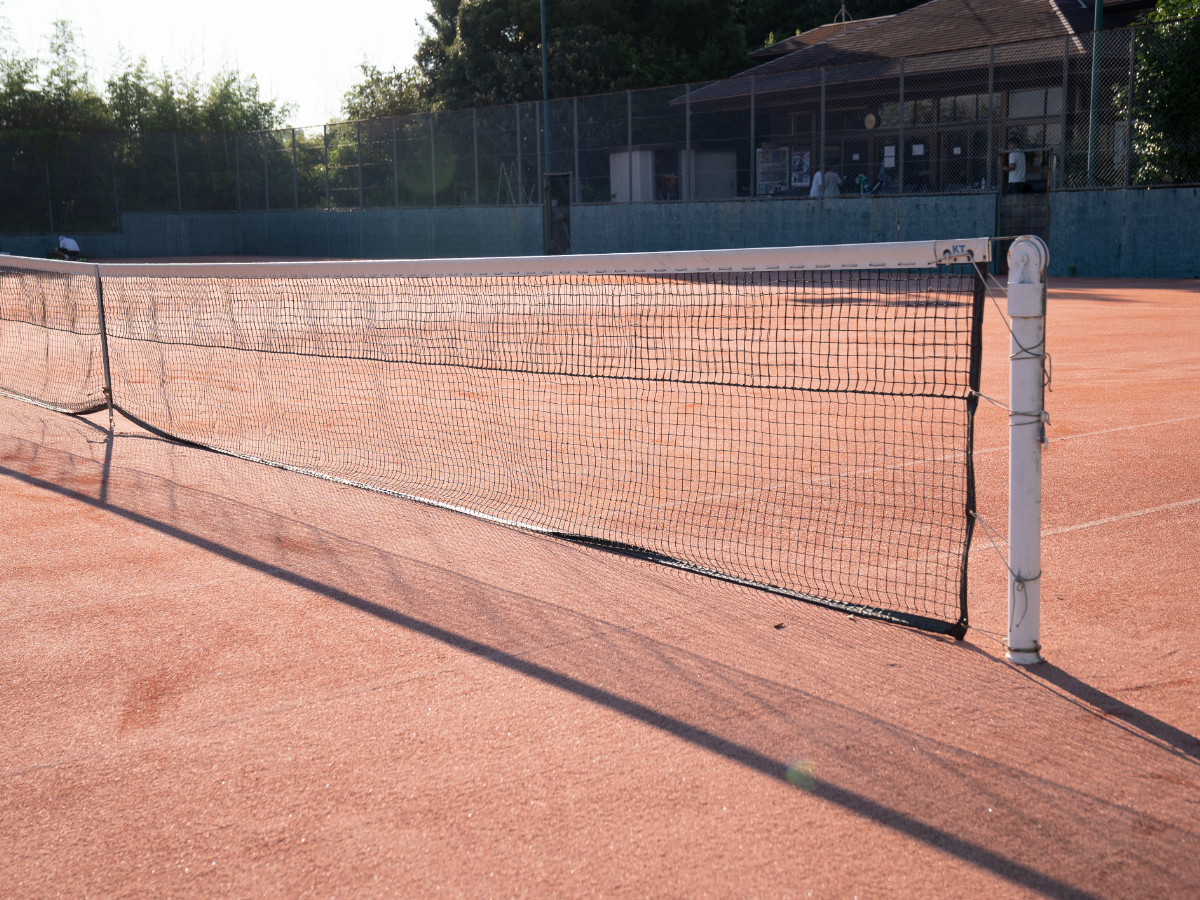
(1027,260)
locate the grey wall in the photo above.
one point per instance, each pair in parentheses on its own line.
(1146,233)
(1131,233)
(618,228)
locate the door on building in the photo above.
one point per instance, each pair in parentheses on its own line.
(1021,213)
(556,214)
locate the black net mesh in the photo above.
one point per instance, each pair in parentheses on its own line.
(50,338)
(804,431)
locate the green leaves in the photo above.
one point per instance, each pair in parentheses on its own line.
(45,107)
(487,52)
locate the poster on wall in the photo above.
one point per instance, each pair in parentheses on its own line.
(772,170)
(801,169)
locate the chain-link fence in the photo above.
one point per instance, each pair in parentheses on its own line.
(1112,109)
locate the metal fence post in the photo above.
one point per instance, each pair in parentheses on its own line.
(1129,106)
(49,196)
(539,124)
(688,189)
(1094,117)
(753,139)
(987,169)
(325,144)
(1062,169)
(358,153)
(432,161)
(295,175)
(395,167)
(178,188)
(900,143)
(237,170)
(116,196)
(629,139)
(266,174)
(475,149)
(822,154)
(520,181)
(575,119)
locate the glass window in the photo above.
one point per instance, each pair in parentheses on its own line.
(918,112)
(889,115)
(1024,104)
(1054,106)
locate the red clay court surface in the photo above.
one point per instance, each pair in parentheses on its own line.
(219,679)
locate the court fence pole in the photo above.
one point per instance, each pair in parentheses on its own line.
(1027,261)
(237,171)
(900,145)
(104,346)
(822,154)
(629,138)
(687,188)
(1129,104)
(575,119)
(432,161)
(753,170)
(1062,169)
(358,157)
(475,149)
(178,187)
(987,169)
(49,196)
(266,174)
(325,144)
(295,175)
(395,168)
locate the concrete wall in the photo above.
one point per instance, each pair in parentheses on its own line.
(621,228)
(370,234)
(1146,233)
(1131,233)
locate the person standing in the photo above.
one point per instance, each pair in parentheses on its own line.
(815,190)
(831,184)
(1016,169)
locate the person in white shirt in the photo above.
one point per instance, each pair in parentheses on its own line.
(815,190)
(831,185)
(1016,169)
(66,249)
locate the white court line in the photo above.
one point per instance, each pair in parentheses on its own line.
(1137,513)
(826,479)
(1086,434)
(1122,517)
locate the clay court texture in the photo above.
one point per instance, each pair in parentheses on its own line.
(223,679)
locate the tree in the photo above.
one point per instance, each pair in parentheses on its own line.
(1166,99)
(63,99)
(380,94)
(486,52)
(46,99)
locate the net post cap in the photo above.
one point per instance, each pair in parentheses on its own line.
(1027,260)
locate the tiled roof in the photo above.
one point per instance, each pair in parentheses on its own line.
(812,36)
(937,26)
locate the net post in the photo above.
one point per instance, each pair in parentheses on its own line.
(104,346)
(1027,260)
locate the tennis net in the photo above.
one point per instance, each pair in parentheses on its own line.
(798,419)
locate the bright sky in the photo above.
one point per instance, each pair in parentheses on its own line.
(302,52)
